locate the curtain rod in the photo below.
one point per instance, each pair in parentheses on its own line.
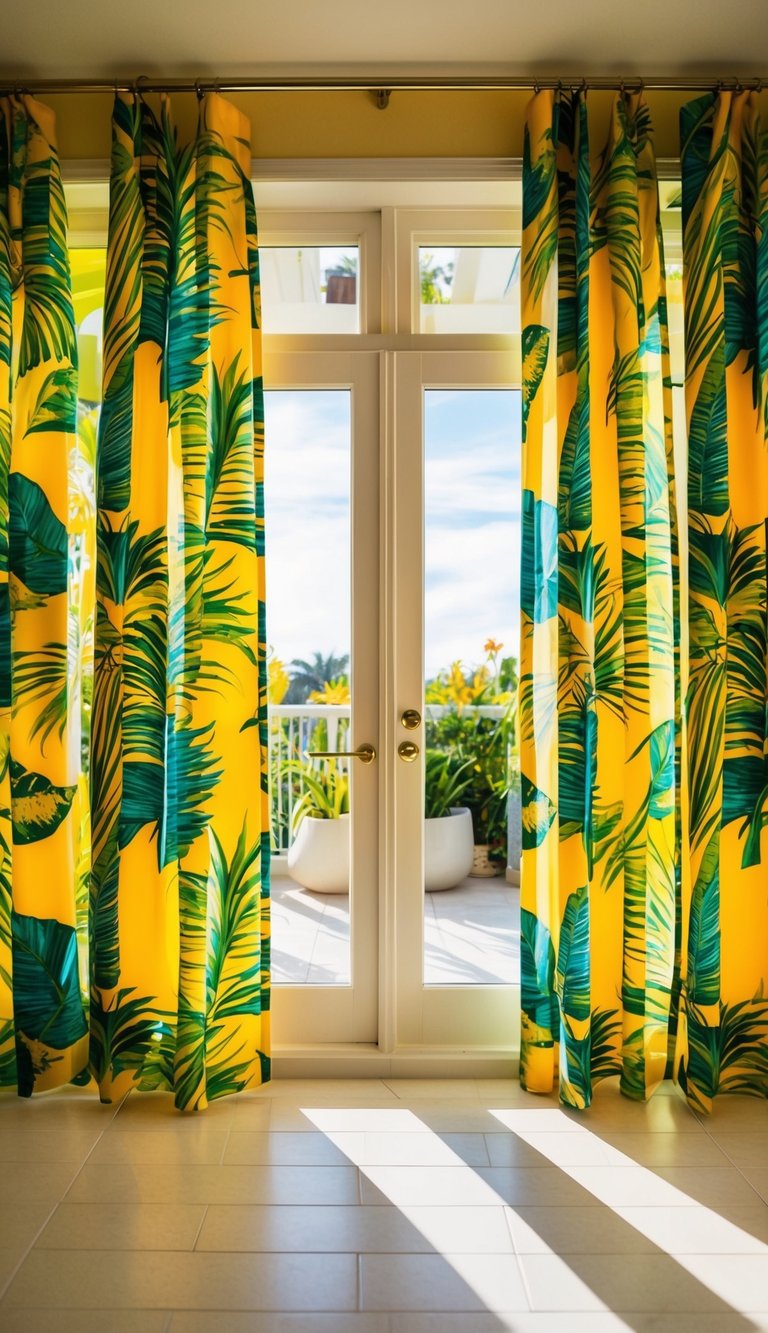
(381,85)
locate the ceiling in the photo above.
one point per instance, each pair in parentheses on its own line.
(225,38)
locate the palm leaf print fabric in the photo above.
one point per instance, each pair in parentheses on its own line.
(725,229)
(43,1026)
(600,698)
(179,896)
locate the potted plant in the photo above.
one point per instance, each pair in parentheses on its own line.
(318,857)
(448,843)
(485,742)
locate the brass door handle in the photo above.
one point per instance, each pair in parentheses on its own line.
(408,751)
(365,753)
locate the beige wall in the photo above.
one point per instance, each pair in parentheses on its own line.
(416,124)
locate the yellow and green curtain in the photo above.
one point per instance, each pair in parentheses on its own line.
(43,1023)
(179,888)
(724,139)
(600,712)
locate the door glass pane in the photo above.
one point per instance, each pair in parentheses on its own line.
(307,502)
(469,289)
(310,289)
(471,631)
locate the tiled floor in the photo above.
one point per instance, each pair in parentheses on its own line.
(382,1207)
(471,935)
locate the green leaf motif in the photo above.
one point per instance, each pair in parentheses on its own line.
(573,970)
(56,405)
(537,961)
(538,814)
(38,807)
(46,993)
(38,554)
(535,352)
(539,577)
(704,940)
(708,442)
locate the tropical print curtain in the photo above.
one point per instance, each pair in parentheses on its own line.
(161,980)
(179,892)
(724,141)
(43,1025)
(600,693)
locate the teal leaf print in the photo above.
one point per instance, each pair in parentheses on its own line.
(38,554)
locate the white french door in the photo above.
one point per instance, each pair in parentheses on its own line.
(387,1002)
(480,1010)
(313,543)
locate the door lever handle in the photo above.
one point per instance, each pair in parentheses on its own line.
(365,753)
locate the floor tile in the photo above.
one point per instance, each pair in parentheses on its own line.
(509,1322)
(175,1280)
(35,1182)
(368,1229)
(433,1089)
(437,1282)
(640,1186)
(436,1186)
(32,1319)
(283,1149)
(414,1149)
(665,1148)
(544,1185)
(372,1120)
(122,1226)
(230,1183)
(202,1145)
(573,1230)
(713,1186)
(216,1322)
(744,1149)
(153,1111)
(20,1222)
(700,1230)
(650,1282)
(737,1113)
(46,1145)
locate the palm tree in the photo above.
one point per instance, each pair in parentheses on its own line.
(307,677)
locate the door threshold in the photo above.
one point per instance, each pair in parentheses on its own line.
(368,1061)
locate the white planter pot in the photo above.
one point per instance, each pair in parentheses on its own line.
(448,850)
(318,858)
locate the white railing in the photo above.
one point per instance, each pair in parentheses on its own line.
(293,731)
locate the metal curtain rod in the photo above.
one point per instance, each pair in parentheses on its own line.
(632,83)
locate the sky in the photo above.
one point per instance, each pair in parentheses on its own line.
(472,532)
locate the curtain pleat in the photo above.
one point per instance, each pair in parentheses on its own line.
(43,1028)
(724,140)
(180,881)
(600,718)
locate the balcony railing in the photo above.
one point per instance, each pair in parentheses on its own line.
(296,728)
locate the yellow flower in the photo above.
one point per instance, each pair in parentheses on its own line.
(333,692)
(277,681)
(492,648)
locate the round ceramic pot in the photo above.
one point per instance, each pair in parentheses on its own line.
(448,849)
(318,858)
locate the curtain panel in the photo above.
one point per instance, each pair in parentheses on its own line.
(43,1025)
(179,889)
(600,709)
(724,141)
